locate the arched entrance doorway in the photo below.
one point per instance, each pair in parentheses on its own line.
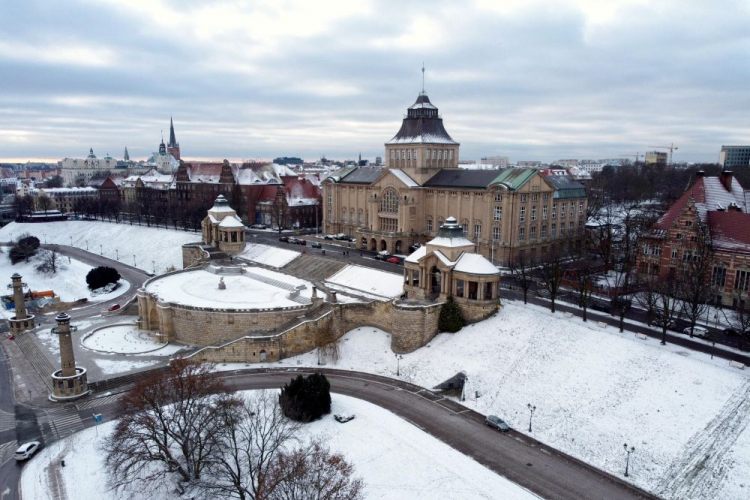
(374,245)
(397,247)
(437,279)
(263,355)
(363,244)
(383,246)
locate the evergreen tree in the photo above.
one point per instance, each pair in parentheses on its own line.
(450,320)
(306,398)
(101,276)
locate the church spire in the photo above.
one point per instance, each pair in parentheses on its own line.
(172,138)
(126,157)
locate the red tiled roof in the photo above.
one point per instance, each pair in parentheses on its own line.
(730,230)
(697,191)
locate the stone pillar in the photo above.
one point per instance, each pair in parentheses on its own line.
(70,382)
(22,321)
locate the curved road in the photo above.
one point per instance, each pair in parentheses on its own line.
(528,463)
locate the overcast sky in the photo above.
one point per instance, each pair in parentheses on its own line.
(529,80)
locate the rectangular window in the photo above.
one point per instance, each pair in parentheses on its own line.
(562,229)
(533,213)
(572,209)
(521,234)
(553,230)
(451,153)
(498,197)
(545,196)
(719,277)
(477,231)
(742,280)
(524,198)
(580,208)
(544,231)
(498,214)
(554,210)
(408,155)
(535,197)
(496,233)
(465,228)
(429,225)
(571,225)
(460,288)
(674,253)
(522,214)
(562,210)
(532,233)
(415,278)
(679,236)
(544,212)
(330,199)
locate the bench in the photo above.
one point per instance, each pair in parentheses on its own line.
(602,324)
(641,336)
(737,364)
(568,314)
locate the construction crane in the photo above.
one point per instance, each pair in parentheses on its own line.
(636,156)
(671,148)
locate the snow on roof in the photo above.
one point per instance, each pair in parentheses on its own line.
(445,260)
(416,255)
(231,221)
(268,255)
(422,139)
(404,177)
(442,241)
(371,281)
(474,263)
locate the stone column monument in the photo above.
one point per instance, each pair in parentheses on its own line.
(22,321)
(70,381)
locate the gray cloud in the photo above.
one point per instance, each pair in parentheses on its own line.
(538,81)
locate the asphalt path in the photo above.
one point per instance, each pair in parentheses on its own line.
(534,466)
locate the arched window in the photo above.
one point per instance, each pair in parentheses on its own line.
(389,201)
(343,216)
(360,216)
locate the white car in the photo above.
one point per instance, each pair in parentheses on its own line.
(26,450)
(698,331)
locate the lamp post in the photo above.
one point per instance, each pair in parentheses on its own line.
(532,409)
(71,241)
(134,263)
(627,460)
(117,253)
(398,364)
(101,250)
(153,263)
(87,245)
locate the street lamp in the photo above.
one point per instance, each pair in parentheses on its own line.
(101,250)
(627,460)
(532,409)
(134,263)
(117,253)
(87,245)
(153,262)
(71,241)
(398,364)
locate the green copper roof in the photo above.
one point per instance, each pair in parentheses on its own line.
(514,178)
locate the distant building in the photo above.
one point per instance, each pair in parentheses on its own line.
(496,161)
(173,148)
(76,171)
(378,160)
(528,164)
(734,156)
(63,199)
(566,163)
(288,160)
(658,158)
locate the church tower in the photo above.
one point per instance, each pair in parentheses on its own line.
(173,147)
(422,147)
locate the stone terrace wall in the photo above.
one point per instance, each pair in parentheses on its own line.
(413,326)
(478,310)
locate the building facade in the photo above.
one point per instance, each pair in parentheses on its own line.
(731,157)
(658,158)
(505,213)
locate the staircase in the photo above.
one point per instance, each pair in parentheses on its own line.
(312,268)
(270,281)
(35,357)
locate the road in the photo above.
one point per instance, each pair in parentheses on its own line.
(541,469)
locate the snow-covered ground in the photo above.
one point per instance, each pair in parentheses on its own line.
(147,248)
(371,281)
(395,459)
(594,390)
(268,255)
(257,288)
(69,282)
(126,339)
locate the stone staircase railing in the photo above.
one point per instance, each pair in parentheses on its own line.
(37,359)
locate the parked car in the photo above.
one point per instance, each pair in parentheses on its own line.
(343,418)
(285,239)
(393,260)
(622,303)
(497,423)
(26,450)
(414,247)
(292,240)
(114,307)
(328,237)
(656,321)
(698,331)
(316,244)
(599,305)
(302,242)
(733,331)
(258,226)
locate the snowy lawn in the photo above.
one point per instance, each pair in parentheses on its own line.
(370,281)
(268,255)
(395,459)
(126,339)
(69,282)
(594,390)
(147,248)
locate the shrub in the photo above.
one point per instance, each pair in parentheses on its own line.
(306,398)
(23,249)
(450,320)
(101,276)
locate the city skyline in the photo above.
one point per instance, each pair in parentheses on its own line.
(531,81)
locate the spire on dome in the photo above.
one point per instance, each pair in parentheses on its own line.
(172,138)
(126,157)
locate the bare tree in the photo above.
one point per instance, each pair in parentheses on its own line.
(551,272)
(695,287)
(168,426)
(667,291)
(521,269)
(586,274)
(50,261)
(739,317)
(315,473)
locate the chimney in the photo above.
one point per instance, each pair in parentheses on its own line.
(726,179)
(700,173)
